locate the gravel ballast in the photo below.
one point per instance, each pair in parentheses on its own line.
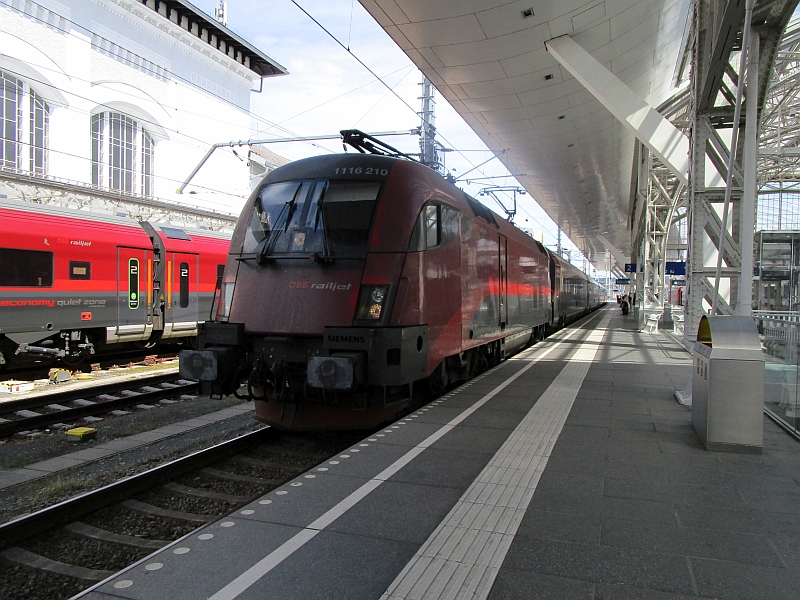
(85,552)
(128,522)
(37,494)
(17,583)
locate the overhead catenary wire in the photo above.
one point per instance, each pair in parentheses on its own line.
(363,64)
(279,126)
(374,106)
(258,117)
(174,75)
(141,120)
(162,177)
(347,49)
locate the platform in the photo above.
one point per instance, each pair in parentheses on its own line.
(566,472)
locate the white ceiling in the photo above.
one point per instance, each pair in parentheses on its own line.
(566,149)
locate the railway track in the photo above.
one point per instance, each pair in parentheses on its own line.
(39,369)
(65,548)
(73,405)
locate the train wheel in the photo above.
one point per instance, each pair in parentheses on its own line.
(437,382)
(73,361)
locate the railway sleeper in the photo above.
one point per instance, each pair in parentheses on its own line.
(24,558)
(156,511)
(220,474)
(303,454)
(95,533)
(264,464)
(190,492)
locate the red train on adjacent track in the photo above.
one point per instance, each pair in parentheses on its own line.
(74,283)
(357,285)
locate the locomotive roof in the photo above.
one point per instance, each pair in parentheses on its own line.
(325,166)
(314,166)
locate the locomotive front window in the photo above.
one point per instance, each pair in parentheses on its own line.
(347,209)
(270,212)
(329,218)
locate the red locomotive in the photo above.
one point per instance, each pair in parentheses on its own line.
(75,283)
(356,285)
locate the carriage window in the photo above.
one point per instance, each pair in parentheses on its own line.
(26,268)
(431,225)
(449,224)
(80,270)
(184,285)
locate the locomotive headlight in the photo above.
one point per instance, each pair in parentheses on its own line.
(373,299)
(226,295)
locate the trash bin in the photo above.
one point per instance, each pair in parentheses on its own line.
(728,385)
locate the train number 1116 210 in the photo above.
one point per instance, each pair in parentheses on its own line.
(360,171)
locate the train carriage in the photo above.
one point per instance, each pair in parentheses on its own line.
(76,283)
(357,284)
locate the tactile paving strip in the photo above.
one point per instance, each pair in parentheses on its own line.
(463,555)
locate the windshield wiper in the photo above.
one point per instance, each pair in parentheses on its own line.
(326,250)
(265,246)
(268,243)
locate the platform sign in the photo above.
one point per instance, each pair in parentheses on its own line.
(675,268)
(630,267)
(623,281)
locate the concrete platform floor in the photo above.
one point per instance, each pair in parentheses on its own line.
(567,472)
(632,506)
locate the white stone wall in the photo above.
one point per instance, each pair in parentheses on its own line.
(186,94)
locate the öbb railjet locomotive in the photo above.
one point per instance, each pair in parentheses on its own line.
(74,284)
(357,285)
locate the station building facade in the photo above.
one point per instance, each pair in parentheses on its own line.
(122,98)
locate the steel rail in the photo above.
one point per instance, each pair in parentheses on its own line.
(70,414)
(68,395)
(59,514)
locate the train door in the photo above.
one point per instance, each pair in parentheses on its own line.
(503,282)
(182,294)
(553,292)
(559,295)
(134,296)
(441,278)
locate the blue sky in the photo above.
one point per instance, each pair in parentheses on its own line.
(328,90)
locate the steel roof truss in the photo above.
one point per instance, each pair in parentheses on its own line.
(644,121)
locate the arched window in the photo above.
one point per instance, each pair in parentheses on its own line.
(122,154)
(24,121)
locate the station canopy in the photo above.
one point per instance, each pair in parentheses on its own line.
(488,58)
